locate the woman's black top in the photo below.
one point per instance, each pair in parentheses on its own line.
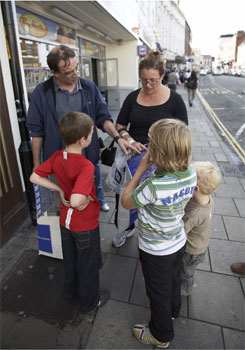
(140,118)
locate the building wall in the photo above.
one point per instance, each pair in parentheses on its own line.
(127,62)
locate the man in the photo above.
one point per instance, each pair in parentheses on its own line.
(172,80)
(65,92)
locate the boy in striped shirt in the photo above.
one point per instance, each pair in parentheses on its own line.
(160,201)
(79,211)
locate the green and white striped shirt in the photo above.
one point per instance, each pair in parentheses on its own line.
(160,201)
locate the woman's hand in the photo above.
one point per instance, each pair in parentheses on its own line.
(83,206)
(139,146)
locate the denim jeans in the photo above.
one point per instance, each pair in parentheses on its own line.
(189,263)
(98,184)
(82,261)
(191,95)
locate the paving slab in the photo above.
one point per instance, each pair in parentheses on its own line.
(230,190)
(235,228)
(112,328)
(225,207)
(105,217)
(30,333)
(240,204)
(131,247)
(218,228)
(233,339)
(117,276)
(224,253)
(107,232)
(192,334)
(213,300)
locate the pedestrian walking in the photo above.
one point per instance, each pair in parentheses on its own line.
(191,84)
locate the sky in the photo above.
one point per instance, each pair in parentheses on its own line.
(208,19)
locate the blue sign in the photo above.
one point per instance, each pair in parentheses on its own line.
(142,50)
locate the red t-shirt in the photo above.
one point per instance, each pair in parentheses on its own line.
(75,174)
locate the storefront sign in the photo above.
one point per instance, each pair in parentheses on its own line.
(91,49)
(33,26)
(142,50)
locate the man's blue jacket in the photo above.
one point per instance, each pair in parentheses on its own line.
(42,118)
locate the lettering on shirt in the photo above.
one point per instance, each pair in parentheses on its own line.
(177,196)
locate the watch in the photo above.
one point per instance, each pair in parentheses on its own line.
(116,138)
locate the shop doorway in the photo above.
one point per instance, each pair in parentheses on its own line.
(13,207)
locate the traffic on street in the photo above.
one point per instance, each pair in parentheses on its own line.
(224,97)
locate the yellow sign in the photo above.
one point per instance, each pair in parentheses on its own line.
(33,25)
(89,48)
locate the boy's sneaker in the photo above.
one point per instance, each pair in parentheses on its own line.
(121,237)
(143,334)
(104,297)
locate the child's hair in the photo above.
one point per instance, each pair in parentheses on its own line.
(170,144)
(74,126)
(208,176)
(152,61)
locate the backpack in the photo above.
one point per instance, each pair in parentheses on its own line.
(191,83)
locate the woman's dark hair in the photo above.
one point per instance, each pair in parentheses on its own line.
(152,61)
(59,53)
(193,75)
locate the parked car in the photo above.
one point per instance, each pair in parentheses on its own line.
(232,72)
(243,73)
(217,71)
(203,72)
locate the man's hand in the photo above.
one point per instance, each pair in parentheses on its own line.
(127,147)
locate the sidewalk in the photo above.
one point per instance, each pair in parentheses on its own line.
(211,318)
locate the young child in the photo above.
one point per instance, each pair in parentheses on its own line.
(197,222)
(79,211)
(160,200)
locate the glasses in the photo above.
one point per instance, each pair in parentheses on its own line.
(149,81)
(70,75)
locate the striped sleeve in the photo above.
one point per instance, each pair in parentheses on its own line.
(144,194)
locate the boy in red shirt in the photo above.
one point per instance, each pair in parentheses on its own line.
(79,211)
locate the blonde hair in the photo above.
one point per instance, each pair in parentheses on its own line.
(208,176)
(170,144)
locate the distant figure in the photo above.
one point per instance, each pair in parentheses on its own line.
(197,222)
(160,201)
(79,210)
(191,84)
(172,80)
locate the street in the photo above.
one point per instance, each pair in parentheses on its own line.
(225,96)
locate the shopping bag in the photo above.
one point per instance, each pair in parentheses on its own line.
(116,175)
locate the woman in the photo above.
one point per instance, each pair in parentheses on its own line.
(191,84)
(141,108)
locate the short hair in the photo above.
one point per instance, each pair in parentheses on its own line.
(57,54)
(152,61)
(74,126)
(208,176)
(170,144)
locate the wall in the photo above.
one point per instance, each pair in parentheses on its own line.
(127,62)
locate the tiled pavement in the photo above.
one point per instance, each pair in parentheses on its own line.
(211,318)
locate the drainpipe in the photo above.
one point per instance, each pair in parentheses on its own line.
(25,149)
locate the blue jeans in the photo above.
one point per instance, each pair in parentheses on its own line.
(82,261)
(98,184)
(189,263)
